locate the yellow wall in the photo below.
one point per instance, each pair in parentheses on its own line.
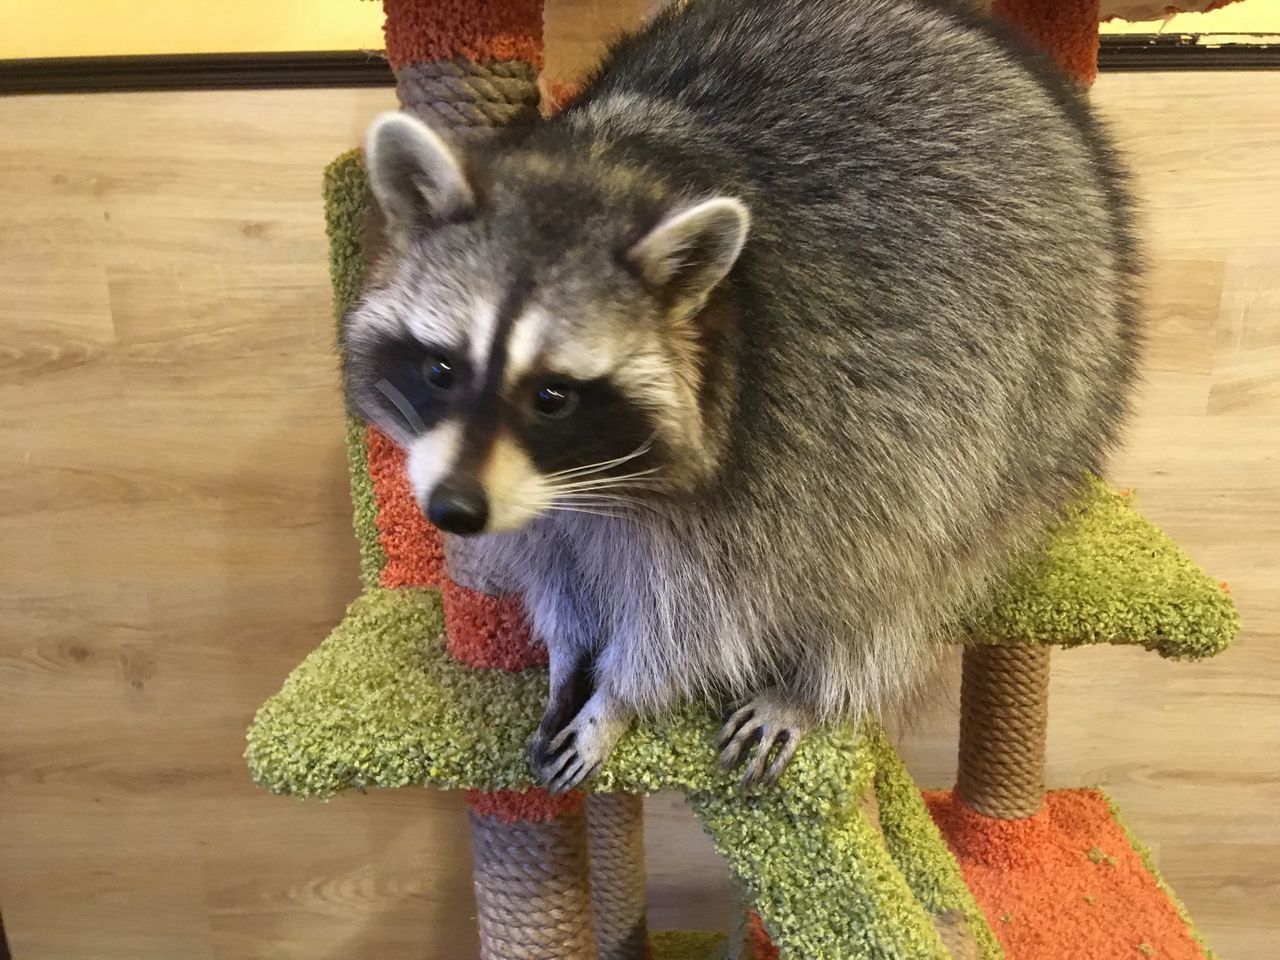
(68,28)
(1250,16)
(71,28)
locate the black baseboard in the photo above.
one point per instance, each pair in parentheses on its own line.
(1187,52)
(196,71)
(339,68)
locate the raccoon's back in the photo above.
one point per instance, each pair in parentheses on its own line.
(858,111)
(916,183)
(937,299)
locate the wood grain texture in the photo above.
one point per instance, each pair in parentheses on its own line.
(175,536)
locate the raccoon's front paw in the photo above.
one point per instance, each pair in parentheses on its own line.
(579,750)
(761,737)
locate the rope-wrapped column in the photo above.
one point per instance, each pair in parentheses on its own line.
(467,68)
(469,99)
(1004,713)
(532,873)
(615,825)
(1004,697)
(530,901)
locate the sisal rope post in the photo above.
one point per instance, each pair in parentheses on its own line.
(469,100)
(615,827)
(1004,714)
(1005,689)
(532,871)
(530,904)
(467,69)
(1004,692)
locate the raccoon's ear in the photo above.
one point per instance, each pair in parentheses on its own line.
(415,177)
(692,249)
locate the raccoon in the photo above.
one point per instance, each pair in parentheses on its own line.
(760,361)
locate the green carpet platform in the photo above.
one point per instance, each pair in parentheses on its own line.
(431,680)
(382,704)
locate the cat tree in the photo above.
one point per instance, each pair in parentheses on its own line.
(432,679)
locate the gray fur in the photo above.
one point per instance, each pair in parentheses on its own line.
(927,341)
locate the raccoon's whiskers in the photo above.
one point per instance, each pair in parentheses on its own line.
(611,505)
(613,515)
(603,464)
(577,499)
(591,495)
(602,483)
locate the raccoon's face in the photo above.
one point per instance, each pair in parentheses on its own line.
(535,339)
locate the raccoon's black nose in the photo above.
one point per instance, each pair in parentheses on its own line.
(456,508)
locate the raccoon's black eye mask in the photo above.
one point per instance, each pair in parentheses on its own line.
(407,383)
(578,423)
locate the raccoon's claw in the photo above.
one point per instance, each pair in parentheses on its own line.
(761,738)
(578,751)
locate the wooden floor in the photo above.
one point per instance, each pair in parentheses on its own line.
(175,536)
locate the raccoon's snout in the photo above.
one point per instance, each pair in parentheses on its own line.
(457,507)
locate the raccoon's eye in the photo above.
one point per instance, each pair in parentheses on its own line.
(555,400)
(439,372)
